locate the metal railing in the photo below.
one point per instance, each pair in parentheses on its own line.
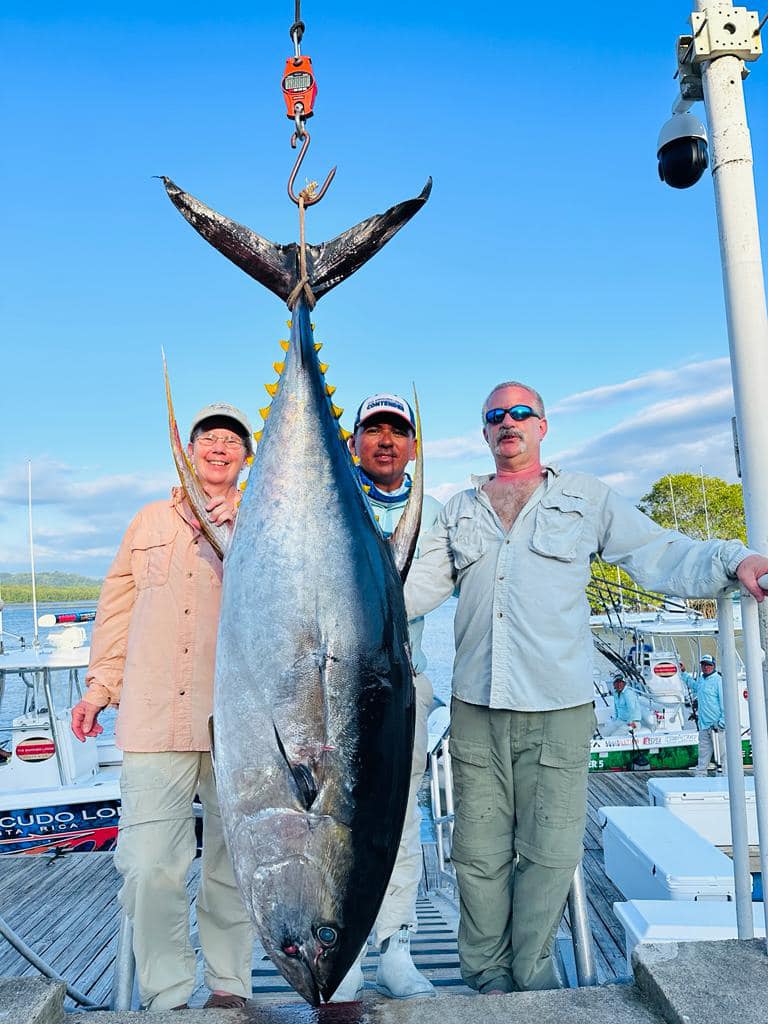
(754,657)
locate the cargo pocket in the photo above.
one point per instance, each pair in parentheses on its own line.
(151,560)
(561,785)
(559,526)
(473,784)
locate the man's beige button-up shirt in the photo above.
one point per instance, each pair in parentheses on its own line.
(522,632)
(154,638)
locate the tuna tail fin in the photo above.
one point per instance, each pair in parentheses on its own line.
(277,266)
(218,536)
(403,540)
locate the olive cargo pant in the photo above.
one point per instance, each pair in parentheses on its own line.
(520,791)
(155,849)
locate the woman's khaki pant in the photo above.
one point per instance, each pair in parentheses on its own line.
(520,790)
(155,850)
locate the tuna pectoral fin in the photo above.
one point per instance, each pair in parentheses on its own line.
(277,266)
(302,776)
(217,536)
(403,540)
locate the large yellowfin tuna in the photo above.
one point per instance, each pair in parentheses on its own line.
(314,708)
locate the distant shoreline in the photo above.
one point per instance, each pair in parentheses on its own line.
(15,593)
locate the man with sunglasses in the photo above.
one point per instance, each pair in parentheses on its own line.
(383,442)
(518,547)
(152,653)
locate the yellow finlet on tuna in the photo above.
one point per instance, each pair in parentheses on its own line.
(278,368)
(318,346)
(284,345)
(289,324)
(272,388)
(344,434)
(323,367)
(264,412)
(257,435)
(241,486)
(336,410)
(249,458)
(329,389)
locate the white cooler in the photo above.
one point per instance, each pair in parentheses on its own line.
(681,921)
(704,805)
(652,855)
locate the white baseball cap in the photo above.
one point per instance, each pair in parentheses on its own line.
(223,410)
(384,403)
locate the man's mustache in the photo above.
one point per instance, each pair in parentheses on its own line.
(509,432)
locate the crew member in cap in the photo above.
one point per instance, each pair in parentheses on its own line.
(152,654)
(626,708)
(708,691)
(384,442)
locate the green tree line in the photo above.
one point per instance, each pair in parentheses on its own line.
(677,501)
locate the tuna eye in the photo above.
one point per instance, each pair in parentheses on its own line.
(326,935)
(291,950)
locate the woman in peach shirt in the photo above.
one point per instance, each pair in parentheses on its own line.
(153,654)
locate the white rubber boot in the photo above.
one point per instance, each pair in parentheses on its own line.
(352,985)
(397,976)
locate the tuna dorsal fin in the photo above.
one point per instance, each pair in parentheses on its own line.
(217,536)
(403,540)
(276,266)
(302,775)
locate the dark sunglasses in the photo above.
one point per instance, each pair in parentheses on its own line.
(517,412)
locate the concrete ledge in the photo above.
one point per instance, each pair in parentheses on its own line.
(724,982)
(619,1004)
(31,1001)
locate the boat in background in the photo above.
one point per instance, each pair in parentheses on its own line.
(56,793)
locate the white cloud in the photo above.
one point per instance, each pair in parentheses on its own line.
(468,446)
(445,491)
(687,378)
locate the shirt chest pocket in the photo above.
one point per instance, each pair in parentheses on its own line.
(467,543)
(151,559)
(559,526)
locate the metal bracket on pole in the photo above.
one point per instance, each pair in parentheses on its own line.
(581,933)
(725,31)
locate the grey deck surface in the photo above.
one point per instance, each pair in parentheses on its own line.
(67,910)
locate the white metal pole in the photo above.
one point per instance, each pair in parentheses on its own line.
(674,507)
(753,662)
(32,551)
(744,287)
(704,496)
(726,653)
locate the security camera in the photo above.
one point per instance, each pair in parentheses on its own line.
(682,151)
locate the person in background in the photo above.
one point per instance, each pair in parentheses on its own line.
(152,653)
(708,691)
(626,708)
(384,442)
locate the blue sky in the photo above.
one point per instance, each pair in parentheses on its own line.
(549,251)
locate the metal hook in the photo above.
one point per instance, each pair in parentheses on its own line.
(309,195)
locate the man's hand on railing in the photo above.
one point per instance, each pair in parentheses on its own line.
(752,573)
